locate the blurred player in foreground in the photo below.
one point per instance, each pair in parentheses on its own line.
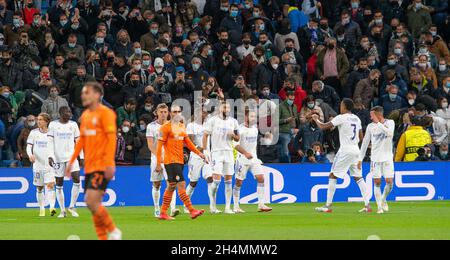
(43,176)
(172,138)
(248,161)
(347,158)
(98,141)
(62,136)
(380,133)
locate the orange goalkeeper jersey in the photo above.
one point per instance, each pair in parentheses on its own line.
(173,138)
(98,139)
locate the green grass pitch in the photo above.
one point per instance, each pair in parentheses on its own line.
(407,220)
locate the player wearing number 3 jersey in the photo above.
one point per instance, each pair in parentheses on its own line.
(350,134)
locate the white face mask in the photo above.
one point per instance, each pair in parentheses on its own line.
(275,66)
(411,102)
(125,129)
(442,67)
(137,67)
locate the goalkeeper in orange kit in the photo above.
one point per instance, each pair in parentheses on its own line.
(98,138)
(172,138)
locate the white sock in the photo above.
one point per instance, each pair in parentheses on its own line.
(387,190)
(156,194)
(51,198)
(362,187)
(211,195)
(331,190)
(260,190)
(190,191)
(215,188)
(60,198)
(228,193)
(378,196)
(173,203)
(74,195)
(40,199)
(236,196)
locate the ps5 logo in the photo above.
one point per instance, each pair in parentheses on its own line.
(399,184)
(275,177)
(23,187)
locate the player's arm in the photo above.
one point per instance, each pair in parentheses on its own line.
(242,151)
(30,148)
(205,141)
(78,147)
(151,145)
(364,146)
(322,126)
(51,147)
(400,154)
(387,129)
(191,146)
(164,135)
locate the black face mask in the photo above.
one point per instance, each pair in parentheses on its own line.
(135,83)
(289,49)
(330,46)
(324,26)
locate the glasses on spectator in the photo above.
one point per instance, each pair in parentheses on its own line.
(176,111)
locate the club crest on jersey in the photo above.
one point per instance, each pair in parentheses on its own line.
(94,121)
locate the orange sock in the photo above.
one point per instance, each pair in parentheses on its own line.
(167,199)
(100,229)
(106,219)
(186,200)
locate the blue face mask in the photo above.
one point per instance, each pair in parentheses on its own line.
(393,97)
(72,45)
(6,94)
(195,67)
(210,53)
(234,14)
(355,5)
(290,102)
(448,84)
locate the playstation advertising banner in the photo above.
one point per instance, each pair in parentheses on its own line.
(285,183)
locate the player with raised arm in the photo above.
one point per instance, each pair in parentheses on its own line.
(173,138)
(197,165)
(223,130)
(347,158)
(43,176)
(62,135)
(380,133)
(98,140)
(248,161)
(162,113)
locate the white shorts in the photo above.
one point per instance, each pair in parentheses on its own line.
(155,176)
(41,178)
(344,162)
(382,169)
(60,168)
(222,163)
(197,167)
(242,170)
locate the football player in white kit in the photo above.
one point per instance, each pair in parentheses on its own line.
(43,176)
(197,165)
(223,130)
(248,161)
(62,136)
(347,158)
(162,113)
(380,133)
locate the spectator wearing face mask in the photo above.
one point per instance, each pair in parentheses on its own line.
(419,18)
(307,135)
(149,40)
(352,29)
(53,103)
(266,94)
(392,101)
(251,61)
(6,107)
(368,89)
(233,24)
(283,34)
(442,73)
(246,48)
(197,74)
(72,46)
(436,44)
(136,68)
(443,153)
(392,64)
(310,107)
(30,124)
(316,155)
(75,86)
(289,122)
(425,68)
(127,144)
(327,94)
(267,73)
(227,69)
(356,75)
(391,78)
(182,88)
(240,89)
(11,73)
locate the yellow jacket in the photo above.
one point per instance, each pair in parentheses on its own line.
(412,140)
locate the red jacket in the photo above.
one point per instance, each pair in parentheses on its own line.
(28,14)
(300,95)
(311,68)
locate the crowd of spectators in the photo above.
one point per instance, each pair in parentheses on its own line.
(309,54)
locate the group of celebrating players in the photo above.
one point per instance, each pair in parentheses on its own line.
(55,149)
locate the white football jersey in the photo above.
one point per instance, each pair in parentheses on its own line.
(381,135)
(219,130)
(349,126)
(62,139)
(249,141)
(196,130)
(39,142)
(153,132)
